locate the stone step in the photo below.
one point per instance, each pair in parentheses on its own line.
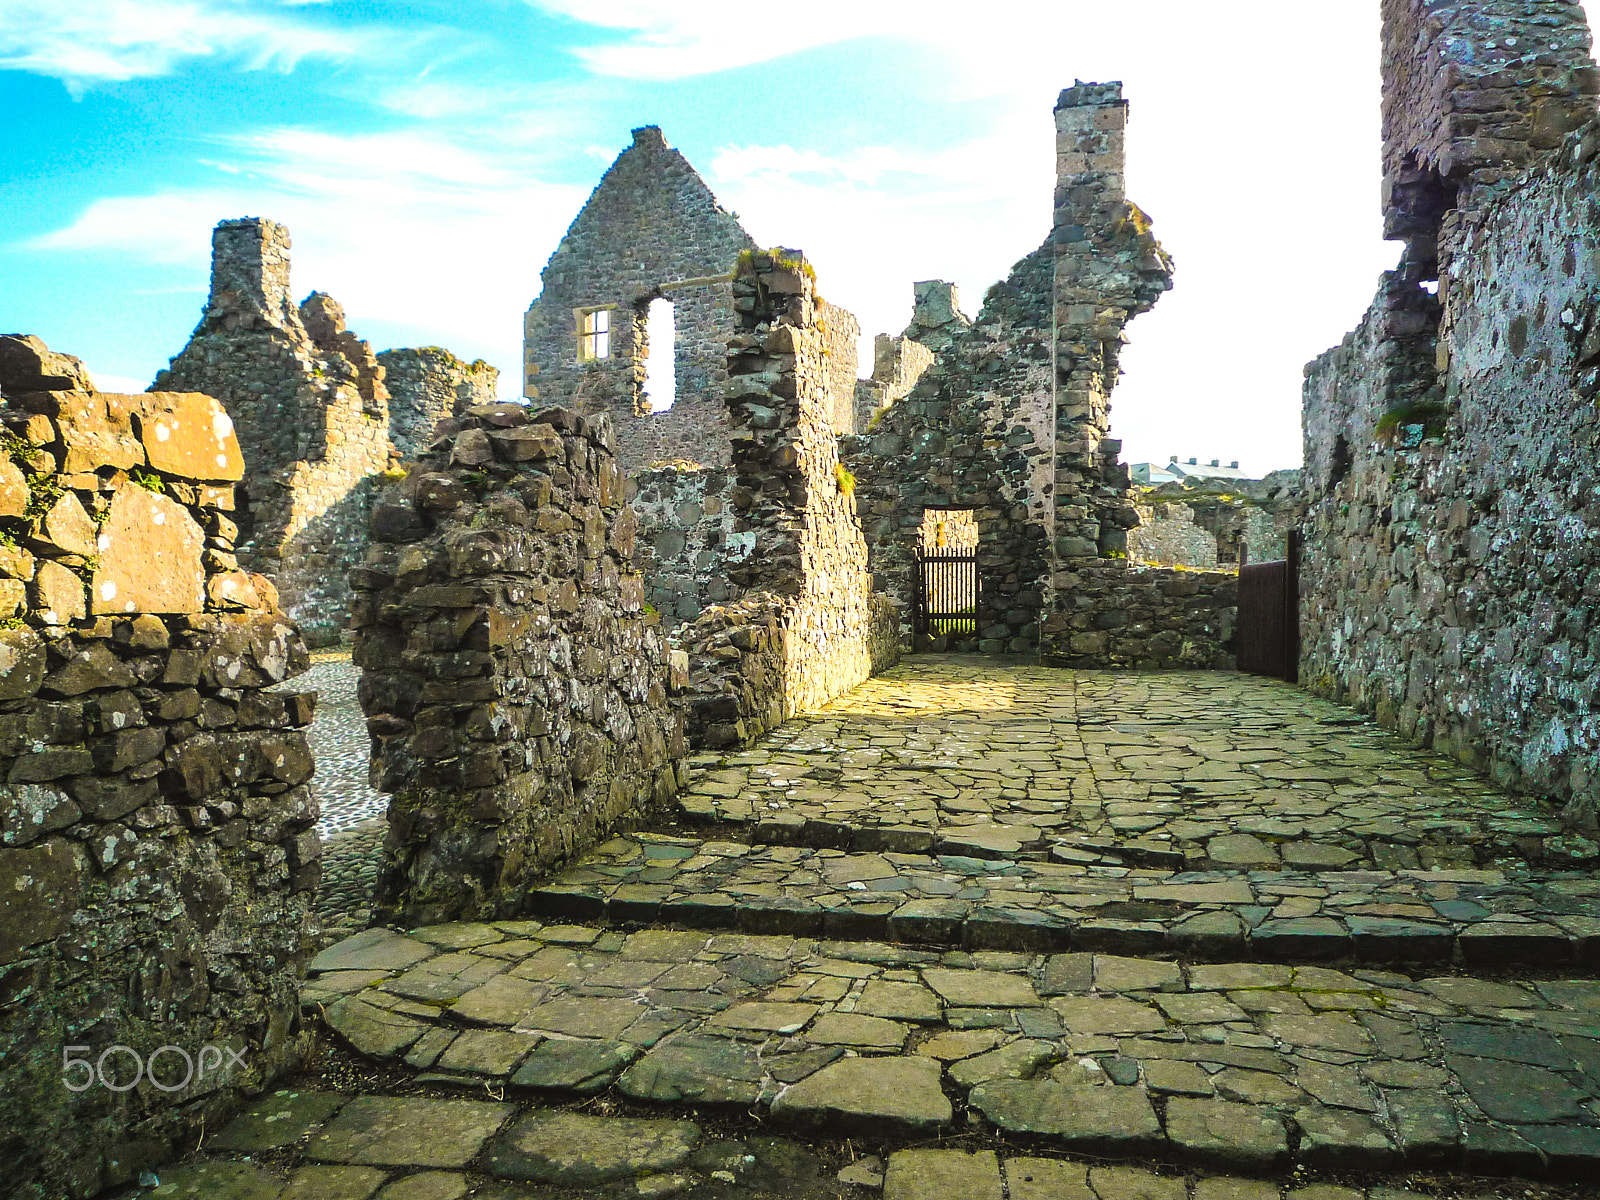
(1475,918)
(1232,1066)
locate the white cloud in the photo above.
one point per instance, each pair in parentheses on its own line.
(87,42)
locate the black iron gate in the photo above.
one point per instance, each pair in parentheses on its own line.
(947,593)
(1268,634)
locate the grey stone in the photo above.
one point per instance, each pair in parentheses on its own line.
(278,1119)
(1519,1094)
(572,1150)
(1229,1134)
(697,1069)
(408,1132)
(1084,1117)
(574,1066)
(894,1095)
(942,1175)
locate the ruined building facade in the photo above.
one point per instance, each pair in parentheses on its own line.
(1010,424)
(653,231)
(1451,562)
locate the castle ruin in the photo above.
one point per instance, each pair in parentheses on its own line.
(668,825)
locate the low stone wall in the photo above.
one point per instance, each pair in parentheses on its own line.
(515,688)
(1127,615)
(313,419)
(157,855)
(1167,535)
(427,384)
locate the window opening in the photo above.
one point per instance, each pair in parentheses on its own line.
(594,334)
(661,356)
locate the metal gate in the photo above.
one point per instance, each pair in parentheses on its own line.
(1268,634)
(947,593)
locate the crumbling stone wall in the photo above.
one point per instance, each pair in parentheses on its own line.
(948,529)
(515,688)
(651,229)
(312,413)
(1452,560)
(976,433)
(897,363)
(1011,421)
(1168,536)
(841,333)
(157,850)
(1108,268)
(687,538)
(808,626)
(1473,91)
(427,384)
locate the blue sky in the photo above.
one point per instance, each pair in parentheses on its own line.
(427,157)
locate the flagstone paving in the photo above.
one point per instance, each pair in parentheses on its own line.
(1242,1065)
(978,931)
(1205,769)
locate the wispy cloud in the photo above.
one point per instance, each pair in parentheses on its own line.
(673,39)
(89,42)
(401,228)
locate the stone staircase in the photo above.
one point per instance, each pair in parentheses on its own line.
(987,931)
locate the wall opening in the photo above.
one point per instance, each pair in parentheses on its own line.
(949,594)
(594,334)
(661,356)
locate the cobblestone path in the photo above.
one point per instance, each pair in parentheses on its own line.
(983,932)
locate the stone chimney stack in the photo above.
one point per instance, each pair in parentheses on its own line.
(250,274)
(1091,126)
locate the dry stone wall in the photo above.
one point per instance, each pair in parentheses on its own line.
(1217,522)
(1452,562)
(652,229)
(1011,422)
(312,412)
(514,686)
(157,851)
(897,363)
(427,384)
(808,625)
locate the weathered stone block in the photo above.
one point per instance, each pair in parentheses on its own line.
(150,551)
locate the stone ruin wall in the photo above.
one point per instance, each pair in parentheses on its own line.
(1473,91)
(897,363)
(651,229)
(1168,536)
(687,539)
(1011,421)
(514,686)
(1101,610)
(1452,562)
(157,851)
(973,434)
(312,412)
(427,384)
(809,625)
